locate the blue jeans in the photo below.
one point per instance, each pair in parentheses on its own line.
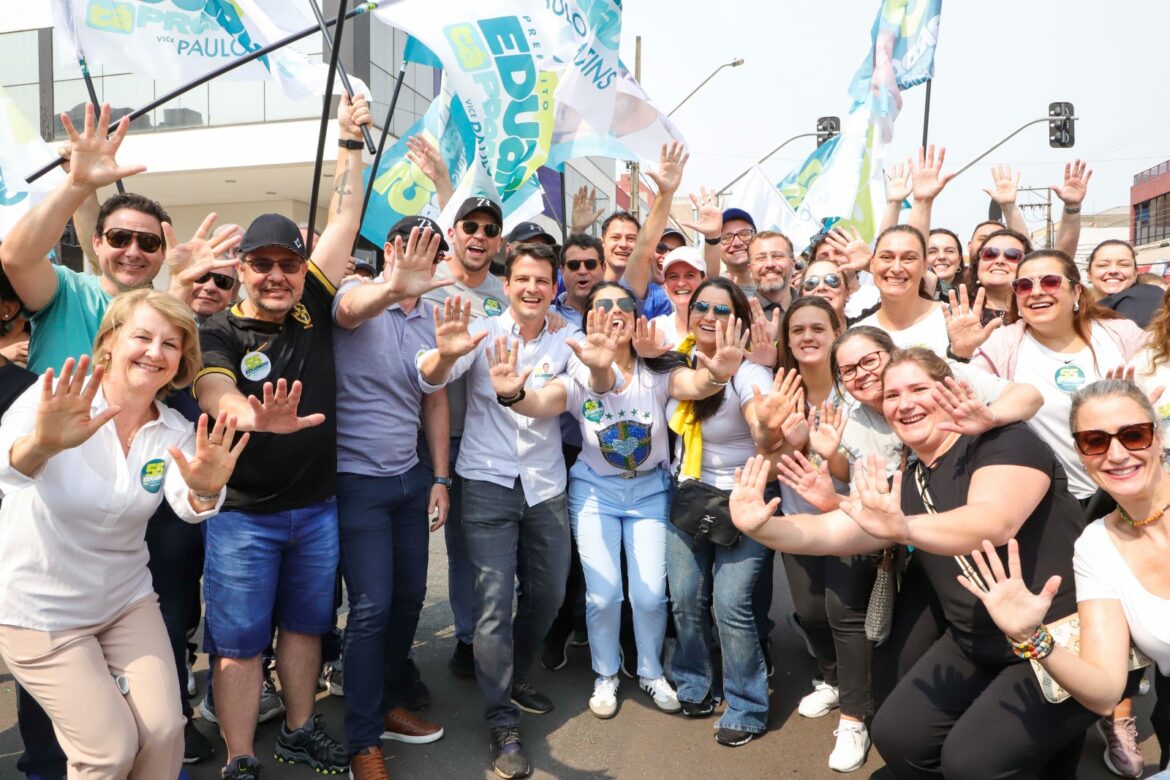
(608,512)
(460,578)
(729,573)
(384,534)
(508,540)
(269,569)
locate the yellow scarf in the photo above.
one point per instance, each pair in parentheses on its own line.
(683,423)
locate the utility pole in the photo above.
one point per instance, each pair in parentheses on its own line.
(1045,206)
(634,169)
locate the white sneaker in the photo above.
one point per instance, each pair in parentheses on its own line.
(190,681)
(852,747)
(820,702)
(664,696)
(603,702)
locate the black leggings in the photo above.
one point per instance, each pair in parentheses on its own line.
(953,717)
(1160,717)
(831,596)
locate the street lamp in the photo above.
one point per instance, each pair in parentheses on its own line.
(827,127)
(733,64)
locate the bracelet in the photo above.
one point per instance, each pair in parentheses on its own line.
(712,380)
(349,143)
(202,499)
(502,401)
(1072,209)
(957,358)
(444,481)
(711,241)
(1035,647)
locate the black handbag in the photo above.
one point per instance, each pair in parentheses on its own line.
(704,512)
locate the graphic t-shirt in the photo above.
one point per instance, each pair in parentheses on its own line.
(622,431)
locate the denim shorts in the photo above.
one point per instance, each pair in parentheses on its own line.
(268,569)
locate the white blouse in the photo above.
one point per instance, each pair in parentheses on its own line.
(73,537)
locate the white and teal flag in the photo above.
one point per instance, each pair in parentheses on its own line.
(22,151)
(769,209)
(905,34)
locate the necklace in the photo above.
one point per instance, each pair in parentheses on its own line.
(1153,518)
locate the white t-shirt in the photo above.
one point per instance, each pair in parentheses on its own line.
(1102,573)
(727,440)
(665,325)
(929,332)
(864,297)
(624,430)
(1148,378)
(1057,376)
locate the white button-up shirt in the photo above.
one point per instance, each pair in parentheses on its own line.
(499,445)
(73,537)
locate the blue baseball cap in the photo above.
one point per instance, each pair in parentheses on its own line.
(730,214)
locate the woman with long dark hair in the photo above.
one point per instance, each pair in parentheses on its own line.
(992,270)
(910,316)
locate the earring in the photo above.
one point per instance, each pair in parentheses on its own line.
(1077,306)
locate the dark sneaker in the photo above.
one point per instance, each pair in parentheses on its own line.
(733,737)
(1122,755)
(766,649)
(531,700)
(698,709)
(462,662)
(196,747)
(311,745)
(418,697)
(242,768)
(508,759)
(556,650)
(580,636)
(271,705)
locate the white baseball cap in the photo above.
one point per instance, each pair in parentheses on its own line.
(684,254)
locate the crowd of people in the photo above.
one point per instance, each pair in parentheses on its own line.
(954,448)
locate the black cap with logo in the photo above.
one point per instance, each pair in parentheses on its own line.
(481,204)
(273,230)
(403,227)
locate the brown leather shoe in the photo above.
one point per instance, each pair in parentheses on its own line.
(368,765)
(401,725)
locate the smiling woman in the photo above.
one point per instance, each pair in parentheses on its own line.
(906,313)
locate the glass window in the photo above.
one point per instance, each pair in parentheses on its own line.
(279,106)
(19,63)
(235,102)
(27,98)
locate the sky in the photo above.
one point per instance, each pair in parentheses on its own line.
(998,65)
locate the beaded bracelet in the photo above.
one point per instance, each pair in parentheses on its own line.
(1035,647)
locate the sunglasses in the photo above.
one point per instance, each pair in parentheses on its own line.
(120,238)
(471,227)
(607,304)
(1009,254)
(1050,284)
(868,362)
(222,282)
(744,235)
(661,248)
(721,309)
(1134,437)
(264,265)
(575,265)
(832,281)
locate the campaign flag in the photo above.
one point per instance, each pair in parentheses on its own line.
(905,34)
(175,41)
(770,210)
(22,151)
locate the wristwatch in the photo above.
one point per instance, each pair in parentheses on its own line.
(444,481)
(350,143)
(711,241)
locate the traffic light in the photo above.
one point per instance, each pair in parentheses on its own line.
(827,127)
(1060,125)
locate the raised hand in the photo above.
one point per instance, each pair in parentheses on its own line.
(351,115)
(600,346)
(965,327)
(277,412)
(825,428)
(201,254)
(1076,183)
(421,152)
(412,266)
(898,186)
(1016,610)
(877,506)
(811,482)
(1005,187)
(856,250)
(502,355)
(748,510)
(91,154)
(647,341)
(969,415)
(772,325)
(585,211)
(215,458)
(63,416)
(730,346)
(671,161)
(709,221)
(452,338)
(929,180)
(784,398)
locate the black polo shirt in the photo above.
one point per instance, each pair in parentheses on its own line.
(278,472)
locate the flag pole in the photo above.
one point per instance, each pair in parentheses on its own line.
(97,107)
(564,207)
(926,113)
(177,91)
(341,74)
(327,104)
(381,146)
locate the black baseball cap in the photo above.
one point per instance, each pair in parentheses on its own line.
(527,231)
(273,230)
(481,204)
(673,232)
(403,227)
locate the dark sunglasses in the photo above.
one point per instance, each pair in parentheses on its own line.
(799,264)
(1050,284)
(832,281)
(607,304)
(1134,437)
(869,362)
(661,248)
(721,309)
(222,282)
(575,265)
(264,265)
(1009,254)
(471,227)
(120,238)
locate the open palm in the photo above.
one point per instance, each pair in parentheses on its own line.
(1015,609)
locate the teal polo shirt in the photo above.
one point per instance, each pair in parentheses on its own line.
(68,324)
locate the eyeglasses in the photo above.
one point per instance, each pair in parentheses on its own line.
(1010,254)
(744,235)
(607,304)
(1050,284)
(721,309)
(1134,437)
(868,362)
(779,256)
(120,238)
(471,227)
(832,281)
(221,281)
(575,265)
(263,265)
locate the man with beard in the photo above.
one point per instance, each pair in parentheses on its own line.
(770,262)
